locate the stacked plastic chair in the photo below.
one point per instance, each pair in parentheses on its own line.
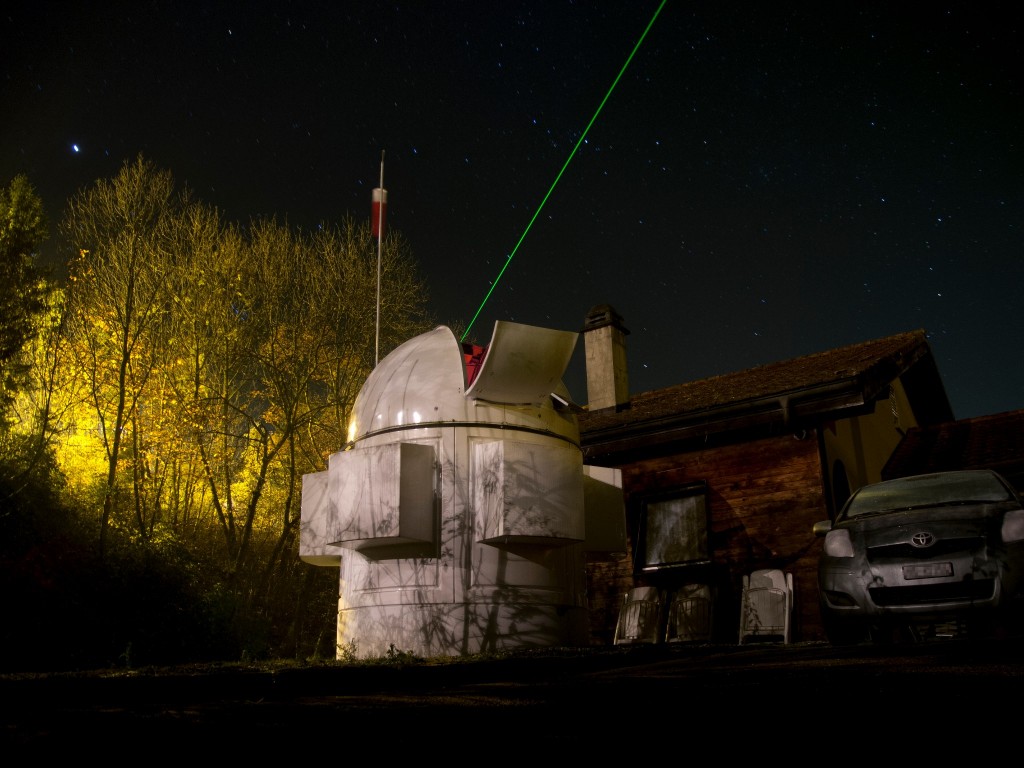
(639,617)
(766,606)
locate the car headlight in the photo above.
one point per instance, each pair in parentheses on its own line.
(1013,526)
(838,544)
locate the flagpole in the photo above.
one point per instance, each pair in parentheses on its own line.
(380,247)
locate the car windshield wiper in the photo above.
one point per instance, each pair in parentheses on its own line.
(872,513)
(932,505)
(906,508)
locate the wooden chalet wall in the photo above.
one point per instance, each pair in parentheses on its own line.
(764,497)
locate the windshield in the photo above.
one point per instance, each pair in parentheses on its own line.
(927,491)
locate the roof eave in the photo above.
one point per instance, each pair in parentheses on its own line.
(775,414)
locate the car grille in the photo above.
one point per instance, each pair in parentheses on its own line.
(941,548)
(922,594)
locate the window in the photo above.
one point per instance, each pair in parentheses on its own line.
(674,529)
(840,486)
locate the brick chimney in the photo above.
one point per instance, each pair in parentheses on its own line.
(604,338)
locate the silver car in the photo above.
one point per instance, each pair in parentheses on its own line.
(932,555)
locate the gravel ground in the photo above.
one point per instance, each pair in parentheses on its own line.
(589,699)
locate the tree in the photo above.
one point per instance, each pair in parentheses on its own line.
(219,365)
(23,226)
(286,343)
(316,362)
(118,299)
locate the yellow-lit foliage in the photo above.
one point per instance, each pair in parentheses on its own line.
(207,368)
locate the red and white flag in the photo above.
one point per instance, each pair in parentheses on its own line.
(378,211)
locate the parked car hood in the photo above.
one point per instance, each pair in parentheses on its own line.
(948,521)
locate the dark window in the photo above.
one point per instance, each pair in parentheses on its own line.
(840,485)
(674,529)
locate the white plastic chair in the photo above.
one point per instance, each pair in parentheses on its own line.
(689,615)
(766,606)
(639,617)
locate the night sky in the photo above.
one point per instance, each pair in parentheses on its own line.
(763,181)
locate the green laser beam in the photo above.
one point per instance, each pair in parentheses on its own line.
(566,165)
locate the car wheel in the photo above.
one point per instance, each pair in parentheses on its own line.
(889,634)
(844,633)
(994,627)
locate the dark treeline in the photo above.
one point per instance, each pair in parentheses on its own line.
(160,404)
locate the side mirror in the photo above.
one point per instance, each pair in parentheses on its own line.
(822,527)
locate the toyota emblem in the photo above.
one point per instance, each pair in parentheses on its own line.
(922,540)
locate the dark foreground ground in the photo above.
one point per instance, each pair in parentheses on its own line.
(801,704)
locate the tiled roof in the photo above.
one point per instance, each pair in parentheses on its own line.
(995,441)
(832,380)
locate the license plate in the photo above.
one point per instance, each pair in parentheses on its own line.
(927,571)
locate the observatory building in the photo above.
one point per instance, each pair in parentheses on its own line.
(459,513)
